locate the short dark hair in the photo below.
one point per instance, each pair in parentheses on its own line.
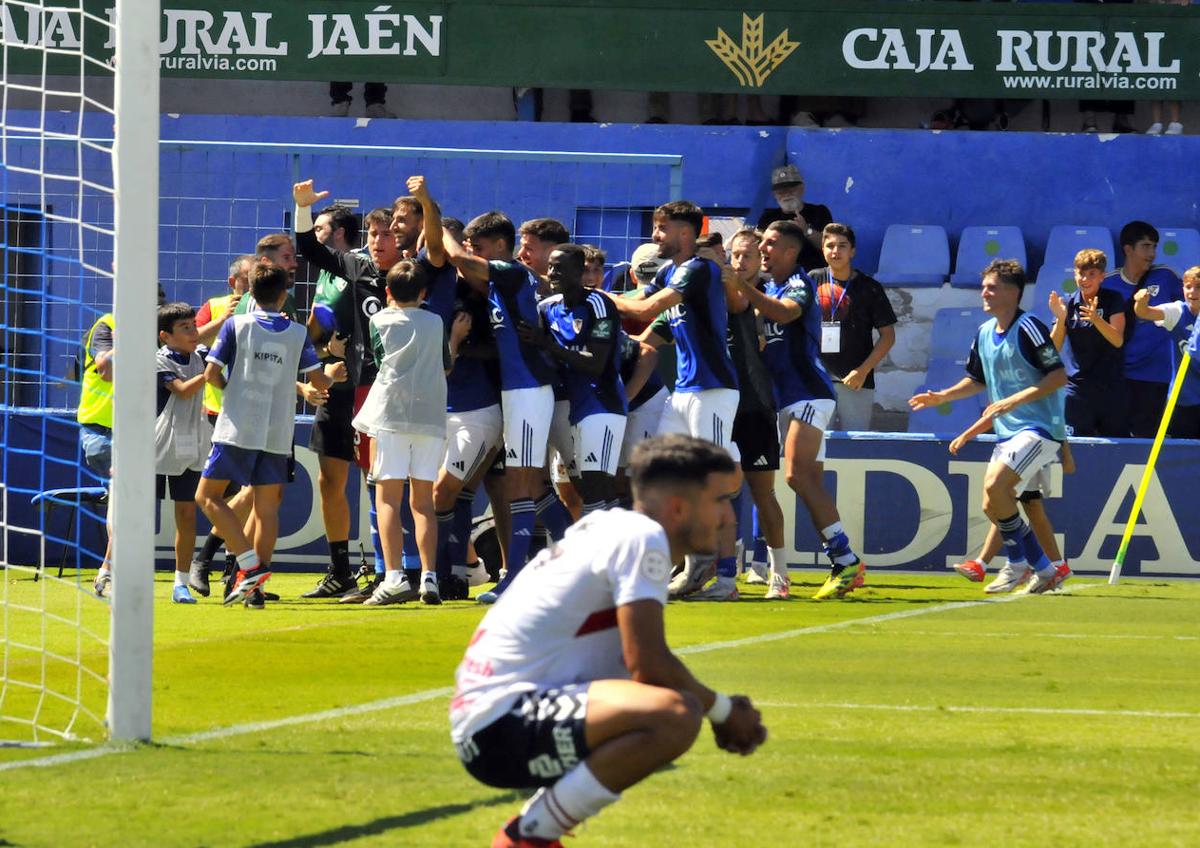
(591,254)
(682,210)
(546,229)
(454,226)
(676,460)
(382,215)
(410,203)
(271,243)
(491,225)
(836,229)
(577,253)
(1135,231)
(268,282)
(1006,271)
(788,229)
(171,313)
(406,280)
(341,218)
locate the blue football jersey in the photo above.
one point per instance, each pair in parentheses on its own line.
(1012,361)
(793,350)
(699,324)
(512,296)
(1149,352)
(473,382)
(573,328)
(441,293)
(1181,324)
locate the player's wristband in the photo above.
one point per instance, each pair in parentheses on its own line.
(303,219)
(720,710)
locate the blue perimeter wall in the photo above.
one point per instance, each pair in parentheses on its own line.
(868,178)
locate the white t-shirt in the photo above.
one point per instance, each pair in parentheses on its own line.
(557,623)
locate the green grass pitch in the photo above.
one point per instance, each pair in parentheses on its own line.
(913,714)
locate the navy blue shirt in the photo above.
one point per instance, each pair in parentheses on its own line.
(512,295)
(573,328)
(793,350)
(473,382)
(699,324)
(1149,352)
(1093,365)
(631,352)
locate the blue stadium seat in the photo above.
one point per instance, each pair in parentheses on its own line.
(1178,248)
(949,419)
(1067,239)
(914,255)
(953,331)
(977,246)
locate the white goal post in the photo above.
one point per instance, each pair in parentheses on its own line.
(135,287)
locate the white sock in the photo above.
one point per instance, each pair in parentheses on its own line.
(554,811)
(247,560)
(429,577)
(181,578)
(393,578)
(777,557)
(104,571)
(1058,562)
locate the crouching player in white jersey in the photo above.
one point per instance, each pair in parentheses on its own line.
(568,684)
(1015,360)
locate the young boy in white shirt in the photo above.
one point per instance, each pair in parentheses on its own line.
(182,434)
(255,361)
(405,416)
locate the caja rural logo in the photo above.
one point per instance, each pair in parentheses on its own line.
(750,62)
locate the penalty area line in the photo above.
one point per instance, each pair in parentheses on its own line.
(946,708)
(446,692)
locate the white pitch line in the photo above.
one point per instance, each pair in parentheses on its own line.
(445,692)
(916,708)
(1032,635)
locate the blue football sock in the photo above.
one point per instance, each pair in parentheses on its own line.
(727,567)
(1013,531)
(553,514)
(412,554)
(460,535)
(524,516)
(445,522)
(376,542)
(837,545)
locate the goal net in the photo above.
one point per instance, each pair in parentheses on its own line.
(68,180)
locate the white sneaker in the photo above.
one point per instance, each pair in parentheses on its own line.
(378,110)
(1010,577)
(724,589)
(477,574)
(1174,128)
(693,577)
(429,590)
(102,585)
(397,593)
(780,588)
(1155,129)
(340,109)
(756,574)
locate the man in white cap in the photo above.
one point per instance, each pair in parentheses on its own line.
(787,184)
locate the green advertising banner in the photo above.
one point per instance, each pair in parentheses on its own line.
(877,49)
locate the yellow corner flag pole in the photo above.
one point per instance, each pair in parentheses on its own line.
(1115,574)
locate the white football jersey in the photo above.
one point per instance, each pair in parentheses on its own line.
(557,623)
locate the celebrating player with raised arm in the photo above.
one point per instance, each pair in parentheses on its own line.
(568,683)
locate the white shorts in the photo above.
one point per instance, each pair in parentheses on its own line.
(470,437)
(527,417)
(399,456)
(598,443)
(1030,455)
(562,443)
(642,423)
(706,415)
(815,413)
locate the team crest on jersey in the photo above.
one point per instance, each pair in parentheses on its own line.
(497,317)
(1153,290)
(655,566)
(577,325)
(371,305)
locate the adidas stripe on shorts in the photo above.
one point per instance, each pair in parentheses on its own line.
(598,441)
(527,417)
(706,415)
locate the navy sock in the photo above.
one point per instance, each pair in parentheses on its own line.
(837,547)
(445,521)
(460,536)
(524,515)
(1013,530)
(727,567)
(376,542)
(553,514)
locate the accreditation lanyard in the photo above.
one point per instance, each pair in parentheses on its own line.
(831,330)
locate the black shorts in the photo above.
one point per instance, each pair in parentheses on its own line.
(182,486)
(1098,414)
(756,434)
(332,433)
(534,744)
(1185,423)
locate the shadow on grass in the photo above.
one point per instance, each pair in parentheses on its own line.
(377,827)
